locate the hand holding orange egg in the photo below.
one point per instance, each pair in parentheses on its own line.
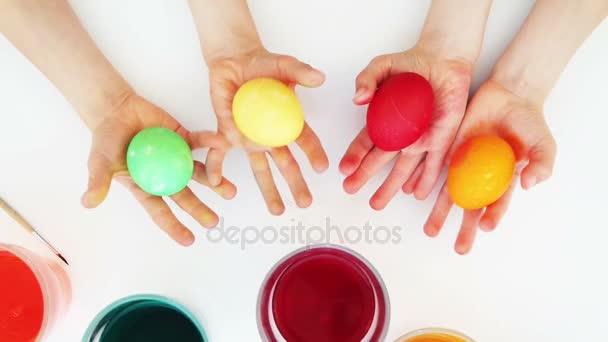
(499,131)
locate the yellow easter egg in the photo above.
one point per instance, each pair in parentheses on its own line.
(267,112)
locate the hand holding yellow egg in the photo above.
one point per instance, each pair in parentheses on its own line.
(268,112)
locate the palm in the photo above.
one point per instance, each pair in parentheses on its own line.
(496,111)
(107,160)
(225,77)
(418,166)
(113,135)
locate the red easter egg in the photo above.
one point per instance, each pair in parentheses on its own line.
(400,111)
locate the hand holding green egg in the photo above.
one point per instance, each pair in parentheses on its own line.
(160,161)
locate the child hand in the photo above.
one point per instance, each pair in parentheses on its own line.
(107,160)
(226,75)
(418,166)
(495,110)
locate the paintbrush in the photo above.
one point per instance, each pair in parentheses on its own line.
(23,223)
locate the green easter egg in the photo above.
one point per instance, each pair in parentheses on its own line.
(160,161)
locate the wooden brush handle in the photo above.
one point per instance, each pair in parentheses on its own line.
(15,215)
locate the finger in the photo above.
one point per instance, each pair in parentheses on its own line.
(188,201)
(468,230)
(215,158)
(225,188)
(439,213)
(218,144)
(357,150)
(222,91)
(429,177)
(367,81)
(263,176)
(495,211)
(541,162)
(401,171)
(100,178)
(310,144)
(370,165)
(290,170)
(292,70)
(206,139)
(467,129)
(160,213)
(408,187)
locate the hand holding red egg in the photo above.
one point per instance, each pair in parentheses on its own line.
(496,111)
(424,138)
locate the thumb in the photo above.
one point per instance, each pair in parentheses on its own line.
(100,178)
(541,160)
(369,78)
(295,71)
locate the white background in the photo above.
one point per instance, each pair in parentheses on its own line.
(540,277)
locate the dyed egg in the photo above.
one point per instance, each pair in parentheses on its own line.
(160,161)
(268,112)
(480,172)
(400,111)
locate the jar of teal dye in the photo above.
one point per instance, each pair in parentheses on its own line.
(145,318)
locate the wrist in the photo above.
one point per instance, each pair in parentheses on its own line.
(518,78)
(237,47)
(454,29)
(226,28)
(553,31)
(105,103)
(444,46)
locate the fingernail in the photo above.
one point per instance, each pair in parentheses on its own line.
(420,195)
(359,93)
(408,191)
(315,79)
(211,220)
(321,167)
(187,239)
(430,231)
(319,75)
(531,183)
(215,180)
(277,208)
(87,200)
(229,194)
(485,225)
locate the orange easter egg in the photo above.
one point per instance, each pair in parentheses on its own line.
(480,172)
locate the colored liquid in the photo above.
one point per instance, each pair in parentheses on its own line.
(21,301)
(324,297)
(435,338)
(150,321)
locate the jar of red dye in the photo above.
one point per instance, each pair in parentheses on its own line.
(323,293)
(34,293)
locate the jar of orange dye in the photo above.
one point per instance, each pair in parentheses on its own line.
(434,335)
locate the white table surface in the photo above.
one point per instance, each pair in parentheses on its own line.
(540,277)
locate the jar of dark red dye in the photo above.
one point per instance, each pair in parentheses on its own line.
(323,293)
